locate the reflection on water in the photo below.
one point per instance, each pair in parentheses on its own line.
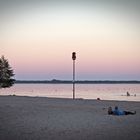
(85,91)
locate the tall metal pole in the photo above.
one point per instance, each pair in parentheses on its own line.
(74,58)
(73,79)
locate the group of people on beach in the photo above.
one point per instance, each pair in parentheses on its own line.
(128,94)
(118,112)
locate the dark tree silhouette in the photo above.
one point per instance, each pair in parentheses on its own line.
(6,73)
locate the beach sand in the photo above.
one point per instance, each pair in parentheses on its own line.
(40,118)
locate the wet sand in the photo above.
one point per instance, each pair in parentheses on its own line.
(40,118)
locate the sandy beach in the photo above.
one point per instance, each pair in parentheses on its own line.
(40,118)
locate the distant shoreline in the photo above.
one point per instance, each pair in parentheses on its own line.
(54,81)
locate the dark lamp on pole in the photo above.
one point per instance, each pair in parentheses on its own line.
(74,55)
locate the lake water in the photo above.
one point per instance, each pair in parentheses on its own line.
(85,91)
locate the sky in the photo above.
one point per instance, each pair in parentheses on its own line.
(39,36)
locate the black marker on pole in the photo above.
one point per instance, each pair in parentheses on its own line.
(73,58)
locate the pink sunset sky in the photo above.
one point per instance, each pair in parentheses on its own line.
(38,37)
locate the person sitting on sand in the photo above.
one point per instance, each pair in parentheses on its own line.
(118,112)
(127,93)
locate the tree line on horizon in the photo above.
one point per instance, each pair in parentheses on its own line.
(55,81)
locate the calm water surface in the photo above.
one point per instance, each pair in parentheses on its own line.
(85,91)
